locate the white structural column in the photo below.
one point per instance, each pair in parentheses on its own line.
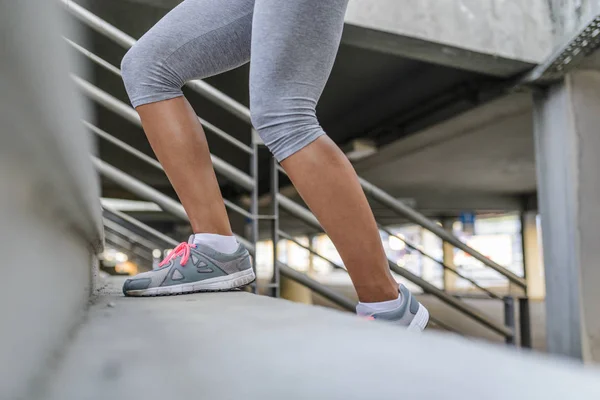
(567,134)
(448,258)
(532,256)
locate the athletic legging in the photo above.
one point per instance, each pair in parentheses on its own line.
(291,46)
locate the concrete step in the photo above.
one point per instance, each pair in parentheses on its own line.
(239,345)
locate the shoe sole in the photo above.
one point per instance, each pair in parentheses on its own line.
(219,284)
(420,321)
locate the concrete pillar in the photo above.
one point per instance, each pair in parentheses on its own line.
(567,120)
(532,257)
(448,257)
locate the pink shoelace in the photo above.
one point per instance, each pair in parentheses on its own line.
(182,249)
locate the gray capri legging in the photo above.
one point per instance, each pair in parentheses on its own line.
(291,46)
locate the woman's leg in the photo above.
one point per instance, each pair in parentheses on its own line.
(197,39)
(294,44)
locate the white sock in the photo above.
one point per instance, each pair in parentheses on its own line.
(366,309)
(220,243)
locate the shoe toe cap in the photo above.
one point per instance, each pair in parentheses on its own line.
(136,284)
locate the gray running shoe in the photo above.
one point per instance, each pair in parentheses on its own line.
(411,314)
(191,268)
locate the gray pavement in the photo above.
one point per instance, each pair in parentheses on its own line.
(238,345)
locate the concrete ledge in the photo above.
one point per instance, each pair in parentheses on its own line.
(512,29)
(238,345)
(433,52)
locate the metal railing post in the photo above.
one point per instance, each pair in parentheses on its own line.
(509,318)
(273,217)
(254,209)
(525,323)
(276,281)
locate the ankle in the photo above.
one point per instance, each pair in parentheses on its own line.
(216,227)
(387,291)
(226,244)
(370,308)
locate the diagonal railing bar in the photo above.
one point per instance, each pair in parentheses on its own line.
(127,112)
(132,246)
(441,263)
(124,146)
(289,237)
(128,235)
(317,287)
(120,247)
(151,161)
(100,61)
(123,244)
(141,226)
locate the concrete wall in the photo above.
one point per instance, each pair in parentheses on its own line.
(513,29)
(49,208)
(568,15)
